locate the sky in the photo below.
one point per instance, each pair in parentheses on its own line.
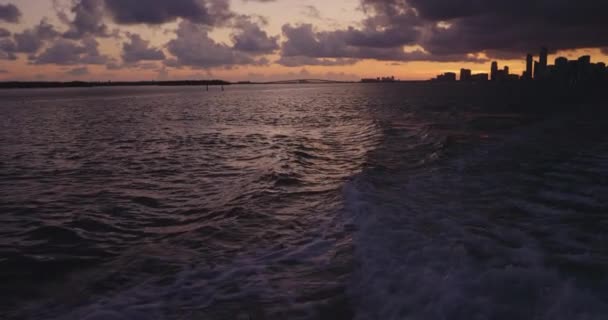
(263,40)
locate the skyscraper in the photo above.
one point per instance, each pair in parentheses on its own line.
(529,64)
(543,57)
(494,71)
(465,75)
(584,60)
(561,62)
(542,64)
(584,68)
(536,70)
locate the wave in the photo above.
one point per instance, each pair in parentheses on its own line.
(511,229)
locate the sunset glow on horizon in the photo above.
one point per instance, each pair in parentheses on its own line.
(261,40)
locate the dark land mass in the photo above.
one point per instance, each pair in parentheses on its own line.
(300,81)
(83,84)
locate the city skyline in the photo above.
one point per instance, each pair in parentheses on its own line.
(99,40)
(564,71)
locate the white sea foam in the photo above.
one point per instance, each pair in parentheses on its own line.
(464,240)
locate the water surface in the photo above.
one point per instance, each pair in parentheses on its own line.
(306,201)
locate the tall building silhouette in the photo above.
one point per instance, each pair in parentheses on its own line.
(465,75)
(584,68)
(584,60)
(566,73)
(540,70)
(561,62)
(494,71)
(529,67)
(543,57)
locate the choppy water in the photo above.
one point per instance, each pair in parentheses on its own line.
(330,201)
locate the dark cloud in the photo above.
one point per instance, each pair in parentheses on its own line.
(386,38)
(304,41)
(4,33)
(7,50)
(298,61)
(70,52)
(29,41)
(32,40)
(209,12)
(88,19)
(455,30)
(138,49)
(9,13)
(502,28)
(553,12)
(251,38)
(193,47)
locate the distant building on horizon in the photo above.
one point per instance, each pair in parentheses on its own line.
(480,77)
(446,77)
(585,59)
(572,72)
(540,67)
(379,80)
(564,72)
(561,62)
(544,53)
(465,75)
(529,67)
(502,74)
(494,71)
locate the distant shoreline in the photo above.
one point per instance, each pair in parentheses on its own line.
(93,84)
(84,84)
